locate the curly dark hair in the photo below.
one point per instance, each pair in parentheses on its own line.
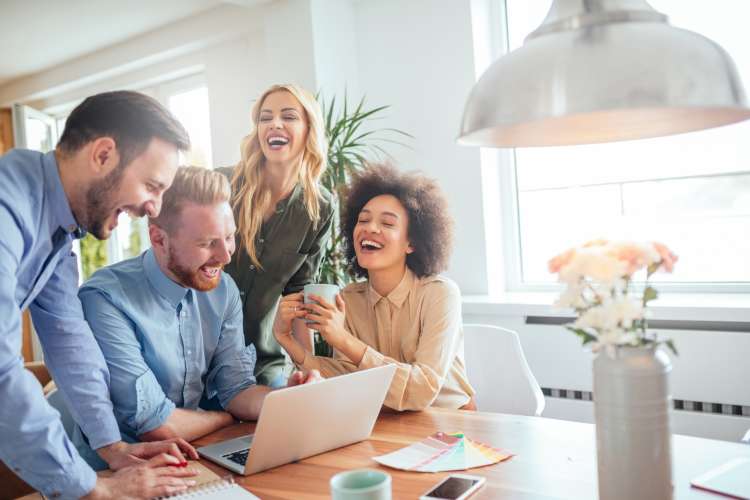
(430,225)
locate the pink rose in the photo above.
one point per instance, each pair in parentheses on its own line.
(667,257)
(560,261)
(633,255)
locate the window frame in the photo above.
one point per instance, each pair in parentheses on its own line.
(505,226)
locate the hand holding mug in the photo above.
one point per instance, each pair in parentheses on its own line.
(327,318)
(290,307)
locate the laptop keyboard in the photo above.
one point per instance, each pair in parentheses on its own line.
(239,457)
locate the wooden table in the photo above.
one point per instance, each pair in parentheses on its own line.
(554,458)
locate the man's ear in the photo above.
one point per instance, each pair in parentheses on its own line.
(159,238)
(103,155)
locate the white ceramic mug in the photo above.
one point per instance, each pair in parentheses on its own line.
(328,292)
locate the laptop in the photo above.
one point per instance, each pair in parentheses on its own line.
(304,420)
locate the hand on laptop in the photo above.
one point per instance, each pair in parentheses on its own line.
(299,378)
(162,475)
(119,455)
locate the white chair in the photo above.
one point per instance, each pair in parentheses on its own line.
(498,370)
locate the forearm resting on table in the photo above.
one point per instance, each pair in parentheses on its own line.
(189,425)
(247,404)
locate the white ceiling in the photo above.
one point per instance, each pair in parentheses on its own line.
(39,34)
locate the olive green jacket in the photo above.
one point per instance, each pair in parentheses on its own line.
(290,248)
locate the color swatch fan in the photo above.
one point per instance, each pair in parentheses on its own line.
(443,452)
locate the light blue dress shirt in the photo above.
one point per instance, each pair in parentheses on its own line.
(39,271)
(166,346)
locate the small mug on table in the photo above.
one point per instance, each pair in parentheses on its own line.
(361,484)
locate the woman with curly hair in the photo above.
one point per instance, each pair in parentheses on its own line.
(283,216)
(398,237)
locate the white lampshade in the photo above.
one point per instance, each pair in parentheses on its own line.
(603,71)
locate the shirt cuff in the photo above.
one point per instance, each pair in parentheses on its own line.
(106,433)
(76,481)
(371,359)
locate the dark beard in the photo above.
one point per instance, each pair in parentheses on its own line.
(191,278)
(99,202)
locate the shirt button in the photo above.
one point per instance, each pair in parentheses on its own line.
(252,267)
(261,240)
(190,352)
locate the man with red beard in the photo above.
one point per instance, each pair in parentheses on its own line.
(169,322)
(118,153)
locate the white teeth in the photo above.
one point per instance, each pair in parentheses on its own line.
(371,244)
(278,141)
(212,271)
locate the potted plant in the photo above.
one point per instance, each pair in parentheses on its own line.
(352,142)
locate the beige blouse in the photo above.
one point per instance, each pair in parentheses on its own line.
(418,328)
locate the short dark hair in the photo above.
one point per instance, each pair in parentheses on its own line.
(130,118)
(430,225)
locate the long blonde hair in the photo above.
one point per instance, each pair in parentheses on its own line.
(252,197)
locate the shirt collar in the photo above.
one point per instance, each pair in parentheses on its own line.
(62,215)
(173,292)
(398,295)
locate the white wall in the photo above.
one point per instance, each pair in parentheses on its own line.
(417,57)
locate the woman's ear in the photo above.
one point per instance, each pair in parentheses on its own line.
(409,248)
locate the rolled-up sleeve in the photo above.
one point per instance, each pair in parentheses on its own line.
(140,404)
(232,365)
(416,385)
(72,355)
(34,444)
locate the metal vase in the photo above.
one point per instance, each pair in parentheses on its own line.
(631,406)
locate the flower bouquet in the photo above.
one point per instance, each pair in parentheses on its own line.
(598,278)
(630,375)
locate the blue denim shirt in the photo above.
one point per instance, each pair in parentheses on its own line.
(39,271)
(166,346)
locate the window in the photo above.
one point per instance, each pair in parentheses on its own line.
(690,191)
(189,103)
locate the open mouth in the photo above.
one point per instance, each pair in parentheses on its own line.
(210,272)
(277,142)
(370,245)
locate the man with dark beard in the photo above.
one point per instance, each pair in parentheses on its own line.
(118,153)
(169,321)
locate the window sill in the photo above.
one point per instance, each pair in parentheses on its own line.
(675,306)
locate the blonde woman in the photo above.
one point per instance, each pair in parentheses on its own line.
(283,216)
